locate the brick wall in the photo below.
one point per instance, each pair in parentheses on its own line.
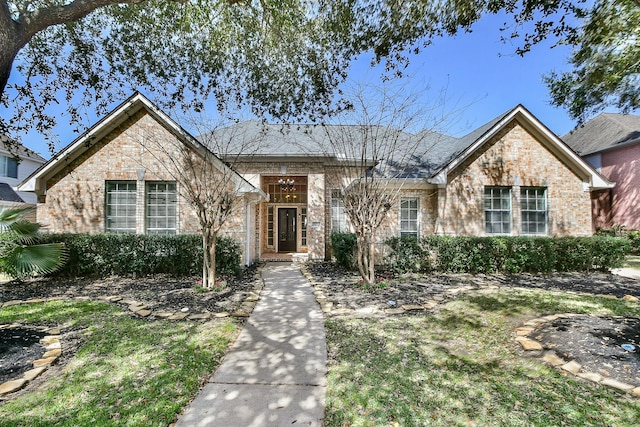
(75,197)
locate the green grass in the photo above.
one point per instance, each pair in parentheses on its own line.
(461,367)
(127,372)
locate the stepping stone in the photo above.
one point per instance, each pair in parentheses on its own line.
(573,367)
(11,386)
(32,374)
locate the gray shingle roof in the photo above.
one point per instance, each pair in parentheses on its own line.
(603,132)
(16,148)
(8,195)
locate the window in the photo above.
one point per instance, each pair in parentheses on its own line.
(497,209)
(533,205)
(270,226)
(338,215)
(161,207)
(121,207)
(409,217)
(8,167)
(303,224)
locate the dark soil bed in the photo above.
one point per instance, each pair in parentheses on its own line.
(19,347)
(597,343)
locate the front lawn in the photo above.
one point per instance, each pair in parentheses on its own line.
(126,371)
(461,367)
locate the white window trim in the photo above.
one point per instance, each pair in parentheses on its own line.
(417,220)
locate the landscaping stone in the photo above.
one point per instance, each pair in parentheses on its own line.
(610,382)
(200,316)
(553,359)
(11,303)
(240,313)
(53,331)
(430,304)
(163,314)
(221,314)
(524,331)
(52,353)
(635,392)
(52,346)
(342,311)
(44,362)
(412,307)
(11,386)
(529,344)
(34,373)
(178,316)
(143,313)
(394,310)
(50,339)
(630,298)
(591,376)
(573,367)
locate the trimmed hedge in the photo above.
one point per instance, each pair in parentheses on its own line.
(142,255)
(506,254)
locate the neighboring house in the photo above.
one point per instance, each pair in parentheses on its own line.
(611,144)
(512,176)
(16,163)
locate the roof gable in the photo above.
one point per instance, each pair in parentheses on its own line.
(119,115)
(469,144)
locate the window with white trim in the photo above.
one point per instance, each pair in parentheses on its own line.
(409,217)
(339,222)
(8,167)
(497,210)
(533,207)
(162,200)
(120,207)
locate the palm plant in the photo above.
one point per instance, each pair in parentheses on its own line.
(20,253)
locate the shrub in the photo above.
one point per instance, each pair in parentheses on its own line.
(509,254)
(141,255)
(406,255)
(344,247)
(634,241)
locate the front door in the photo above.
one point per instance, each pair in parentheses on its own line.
(287,232)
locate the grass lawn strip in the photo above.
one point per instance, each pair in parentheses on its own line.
(127,371)
(461,366)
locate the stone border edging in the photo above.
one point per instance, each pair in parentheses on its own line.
(550,357)
(53,350)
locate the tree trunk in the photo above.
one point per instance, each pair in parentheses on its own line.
(10,45)
(212,261)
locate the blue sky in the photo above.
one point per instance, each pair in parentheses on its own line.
(481,74)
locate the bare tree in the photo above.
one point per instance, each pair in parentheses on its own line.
(210,185)
(380,142)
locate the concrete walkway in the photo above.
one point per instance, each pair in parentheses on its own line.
(274,375)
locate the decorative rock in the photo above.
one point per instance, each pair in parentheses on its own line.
(636,392)
(221,314)
(630,298)
(591,376)
(412,307)
(240,313)
(326,307)
(573,367)
(610,382)
(53,331)
(163,314)
(200,316)
(178,316)
(11,386)
(52,346)
(52,353)
(32,374)
(524,331)
(394,310)
(529,344)
(13,302)
(143,313)
(43,362)
(553,359)
(50,339)
(184,309)
(342,311)
(252,298)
